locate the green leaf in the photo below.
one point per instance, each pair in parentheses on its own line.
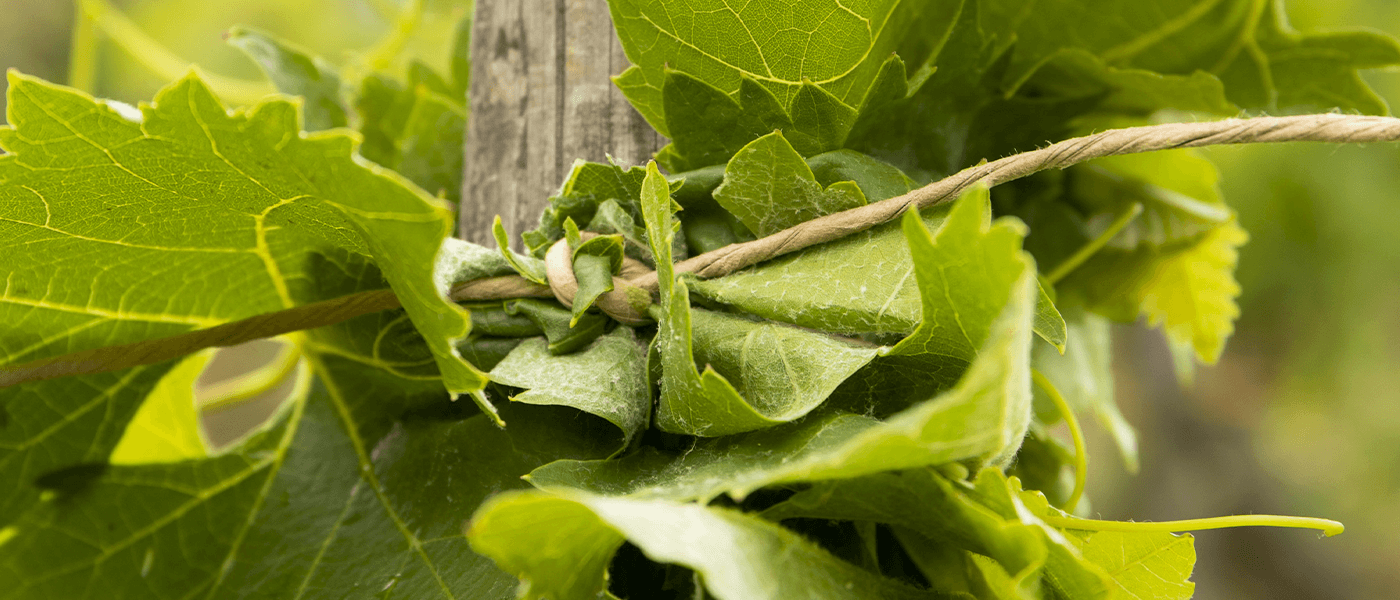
(1136,564)
(877,179)
(166,427)
(1084,374)
(783,371)
(738,556)
(526,266)
(587,187)
(838,48)
(1177,189)
(708,126)
(954,514)
(1263,63)
(565,335)
(770,188)
(608,378)
(863,283)
(348,490)
(296,73)
(595,261)
(64,424)
(1188,292)
(1143,565)
(982,417)
(248,207)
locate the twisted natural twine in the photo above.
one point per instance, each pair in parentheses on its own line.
(1332,128)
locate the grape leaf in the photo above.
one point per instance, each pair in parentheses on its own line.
(1189,292)
(608,378)
(877,179)
(862,283)
(431,144)
(770,188)
(838,48)
(166,427)
(296,73)
(926,503)
(1262,62)
(587,186)
(982,417)
(247,209)
(783,371)
(1139,564)
(1178,192)
(347,489)
(62,424)
(738,556)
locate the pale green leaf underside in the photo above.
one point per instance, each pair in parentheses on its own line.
(124,232)
(983,416)
(739,556)
(607,378)
(756,375)
(769,187)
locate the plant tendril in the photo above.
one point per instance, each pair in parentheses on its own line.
(1081,456)
(1328,527)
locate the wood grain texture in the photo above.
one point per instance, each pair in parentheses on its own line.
(541,97)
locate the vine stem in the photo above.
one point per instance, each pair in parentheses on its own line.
(1332,128)
(1328,527)
(1090,249)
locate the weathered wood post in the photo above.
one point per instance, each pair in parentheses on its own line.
(540,97)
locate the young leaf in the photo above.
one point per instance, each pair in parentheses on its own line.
(608,378)
(738,556)
(526,266)
(595,261)
(248,209)
(588,186)
(784,371)
(1149,564)
(877,179)
(1189,292)
(769,188)
(565,334)
(982,417)
(295,73)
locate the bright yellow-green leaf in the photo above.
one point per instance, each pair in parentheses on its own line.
(166,428)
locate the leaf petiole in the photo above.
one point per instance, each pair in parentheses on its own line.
(1328,527)
(1093,247)
(1081,457)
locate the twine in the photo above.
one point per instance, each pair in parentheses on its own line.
(1331,128)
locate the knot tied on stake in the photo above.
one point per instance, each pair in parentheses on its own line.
(626,302)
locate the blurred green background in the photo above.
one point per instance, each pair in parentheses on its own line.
(1301,416)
